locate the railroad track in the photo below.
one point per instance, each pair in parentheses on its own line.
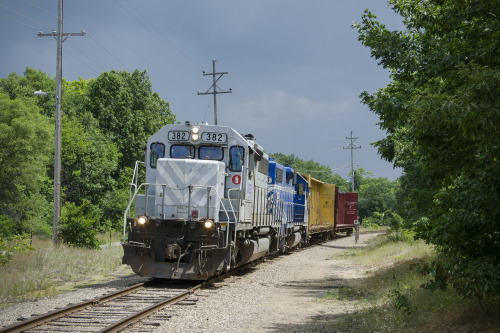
(109,313)
(120,310)
(123,309)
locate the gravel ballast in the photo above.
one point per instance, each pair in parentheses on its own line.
(283,294)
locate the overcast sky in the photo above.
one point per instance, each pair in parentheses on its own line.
(295,67)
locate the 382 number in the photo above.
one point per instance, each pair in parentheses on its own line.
(178,136)
(214,137)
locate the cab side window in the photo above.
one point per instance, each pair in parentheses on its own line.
(300,189)
(236,158)
(157,150)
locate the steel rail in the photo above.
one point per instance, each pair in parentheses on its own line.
(50,316)
(148,311)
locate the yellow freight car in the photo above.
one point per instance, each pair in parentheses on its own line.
(321,207)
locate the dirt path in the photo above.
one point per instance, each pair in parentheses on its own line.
(285,294)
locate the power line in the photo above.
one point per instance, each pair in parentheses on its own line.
(86,56)
(127,45)
(79,50)
(42,9)
(334,149)
(16,20)
(328,138)
(48,27)
(108,52)
(145,19)
(98,43)
(119,40)
(23,16)
(342,167)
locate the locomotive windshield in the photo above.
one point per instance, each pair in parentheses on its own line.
(181,151)
(211,153)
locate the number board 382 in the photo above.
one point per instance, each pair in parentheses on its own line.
(178,136)
(213,137)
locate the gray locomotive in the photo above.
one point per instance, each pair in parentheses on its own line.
(212,200)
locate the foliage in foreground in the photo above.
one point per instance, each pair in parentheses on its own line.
(441,112)
(391,298)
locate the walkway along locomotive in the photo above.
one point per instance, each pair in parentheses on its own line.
(213,200)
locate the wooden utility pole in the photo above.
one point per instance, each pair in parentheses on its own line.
(57,149)
(214,88)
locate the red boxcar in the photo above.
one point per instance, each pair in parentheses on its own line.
(346,211)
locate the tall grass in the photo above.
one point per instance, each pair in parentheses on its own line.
(392,300)
(45,270)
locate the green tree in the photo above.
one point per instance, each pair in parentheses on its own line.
(89,162)
(318,171)
(25,149)
(114,203)
(23,87)
(106,123)
(442,114)
(128,110)
(359,176)
(376,195)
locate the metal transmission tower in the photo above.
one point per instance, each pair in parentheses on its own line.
(352,147)
(214,88)
(57,149)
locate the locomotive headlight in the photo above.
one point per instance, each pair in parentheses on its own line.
(208,224)
(142,220)
(195,133)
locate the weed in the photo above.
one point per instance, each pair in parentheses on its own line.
(17,244)
(400,301)
(39,273)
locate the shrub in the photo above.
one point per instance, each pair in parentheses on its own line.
(7,226)
(401,235)
(19,243)
(375,219)
(79,225)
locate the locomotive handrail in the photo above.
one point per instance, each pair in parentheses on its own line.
(128,210)
(135,177)
(146,186)
(231,204)
(208,208)
(244,170)
(208,198)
